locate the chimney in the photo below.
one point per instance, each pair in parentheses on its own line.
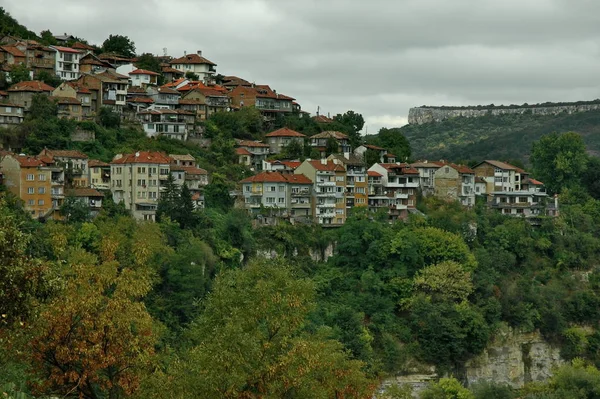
(199,52)
(184,53)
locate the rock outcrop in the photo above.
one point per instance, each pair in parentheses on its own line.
(423,115)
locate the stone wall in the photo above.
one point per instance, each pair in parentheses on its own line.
(423,115)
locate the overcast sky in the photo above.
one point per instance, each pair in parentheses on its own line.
(376,57)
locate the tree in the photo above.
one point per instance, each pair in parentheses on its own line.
(591,177)
(446,281)
(47,38)
(355,123)
(252,335)
(49,79)
(216,194)
(394,141)
(185,208)
(120,45)
(167,203)
(192,76)
(447,388)
(332,146)
(96,338)
(108,118)
(18,73)
(75,210)
(148,62)
(559,160)
(294,150)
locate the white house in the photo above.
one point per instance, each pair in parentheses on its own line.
(143,78)
(66,62)
(195,63)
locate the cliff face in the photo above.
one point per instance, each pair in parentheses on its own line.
(422,115)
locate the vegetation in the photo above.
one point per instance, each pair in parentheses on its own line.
(120,45)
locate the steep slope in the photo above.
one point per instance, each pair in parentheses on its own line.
(10,26)
(498,137)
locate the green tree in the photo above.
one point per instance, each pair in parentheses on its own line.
(446,281)
(252,335)
(447,388)
(49,79)
(591,177)
(47,38)
(559,160)
(331,146)
(192,76)
(108,118)
(168,201)
(294,150)
(354,123)
(217,193)
(18,73)
(75,210)
(120,45)
(394,141)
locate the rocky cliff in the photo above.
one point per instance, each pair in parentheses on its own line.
(422,115)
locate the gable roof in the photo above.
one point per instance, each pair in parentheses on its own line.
(13,50)
(373,147)
(143,72)
(83,192)
(266,177)
(65,49)
(250,143)
(191,59)
(81,46)
(63,153)
(502,165)
(372,173)
(242,151)
(31,85)
(93,163)
(143,157)
(329,166)
(330,134)
(168,69)
(27,161)
(285,132)
(322,119)
(297,178)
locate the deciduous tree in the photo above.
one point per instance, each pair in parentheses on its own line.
(120,45)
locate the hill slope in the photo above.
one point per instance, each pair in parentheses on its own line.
(10,26)
(497,137)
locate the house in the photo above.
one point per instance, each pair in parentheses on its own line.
(329,190)
(22,93)
(282,194)
(500,176)
(357,188)
(64,39)
(170,74)
(38,58)
(99,174)
(165,122)
(319,142)
(81,94)
(114,59)
(280,166)
(281,138)
(231,82)
(88,196)
(108,89)
(258,152)
(66,62)
(183,160)
(427,171)
(204,101)
(11,114)
(91,64)
(12,55)
(380,152)
(322,119)
(193,177)
(164,97)
(244,157)
(68,108)
(73,162)
(39,186)
(143,78)
(138,179)
(393,186)
(266,100)
(82,47)
(196,64)
(455,182)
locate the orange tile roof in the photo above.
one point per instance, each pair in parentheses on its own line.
(374,147)
(82,46)
(242,151)
(292,164)
(83,192)
(27,161)
(63,154)
(143,72)
(65,49)
(141,100)
(250,143)
(191,59)
(329,166)
(266,177)
(372,173)
(143,157)
(322,119)
(463,169)
(93,163)
(31,85)
(13,50)
(192,170)
(297,178)
(285,132)
(330,134)
(535,182)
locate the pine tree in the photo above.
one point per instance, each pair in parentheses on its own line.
(168,201)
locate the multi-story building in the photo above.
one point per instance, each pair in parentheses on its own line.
(194,178)
(108,89)
(282,194)
(164,97)
(22,93)
(427,171)
(39,186)
(281,138)
(329,190)
(394,187)
(319,142)
(66,64)
(11,114)
(38,58)
(500,176)
(165,122)
(263,98)
(138,179)
(357,187)
(143,78)
(81,95)
(455,182)
(183,160)
(258,153)
(196,64)
(12,55)
(204,101)
(381,152)
(99,174)
(88,196)
(74,163)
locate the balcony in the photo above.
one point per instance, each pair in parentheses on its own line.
(302,193)
(326,183)
(400,196)
(326,205)
(326,193)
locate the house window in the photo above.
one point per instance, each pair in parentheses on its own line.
(150,126)
(272,188)
(31,202)
(41,190)
(281,200)
(270,200)
(30,190)
(281,189)
(30,177)
(40,202)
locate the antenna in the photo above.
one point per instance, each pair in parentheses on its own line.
(165,51)
(318,109)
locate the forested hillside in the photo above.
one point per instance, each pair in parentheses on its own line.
(497,137)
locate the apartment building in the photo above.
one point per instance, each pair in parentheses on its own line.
(99,174)
(426,171)
(11,114)
(393,186)
(66,64)
(252,153)
(87,196)
(281,138)
(329,190)
(319,142)
(196,64)
(357,186)
(138,179)
(22,93)
(500,176)
(74,163)
(39,186)
(282,194)
(455,182)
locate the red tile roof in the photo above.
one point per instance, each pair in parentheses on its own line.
(79,88)
(285,132)
(403,168)
(374,147)
(322,119)
(13,50)
(63,154)
(191,59)
(143,157)
(93,163)
(65,49)
(297,178)
(372,173)
(329,166)
(3,93)
(292,164)
(143,72)
(142,100)
(266,177)
(83,192)
(250,143)
(330,134)
(535,182)
(503,165)
(172,70)
(192,170)
(242,151)
(82,46)
(31,85)
(28,161)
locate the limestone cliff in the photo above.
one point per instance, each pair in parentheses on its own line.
(423,115)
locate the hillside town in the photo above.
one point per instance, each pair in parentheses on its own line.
(173,104)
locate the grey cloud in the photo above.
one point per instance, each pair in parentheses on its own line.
(378,57)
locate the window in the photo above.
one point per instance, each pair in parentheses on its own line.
(339,178)
(141,169)
(31,202)
(152,170)
(281,189)
(41,190)
(40,202)
(272,188)
(30,177)
(281,200)
(30,190)
(247,188)
(164,171)
(141,182)
(42,177)
(270,200)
